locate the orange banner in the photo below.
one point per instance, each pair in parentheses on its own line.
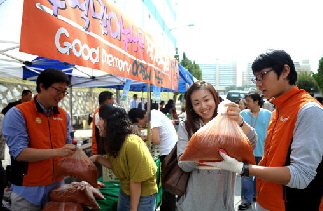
(95,34)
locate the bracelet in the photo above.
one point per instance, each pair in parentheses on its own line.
(241,124)
(245,170)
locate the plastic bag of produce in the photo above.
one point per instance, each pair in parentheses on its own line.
(78,193)
(96,192)
(219,133)
(62,206)
(78,165)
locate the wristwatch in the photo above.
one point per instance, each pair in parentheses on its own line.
(245,170)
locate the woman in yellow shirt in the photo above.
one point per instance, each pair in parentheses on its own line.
(129,158)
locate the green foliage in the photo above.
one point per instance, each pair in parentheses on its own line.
(318,77)
(306,81)
(193,68)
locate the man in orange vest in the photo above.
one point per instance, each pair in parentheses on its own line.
(105,97)
(289,176)
(38,136)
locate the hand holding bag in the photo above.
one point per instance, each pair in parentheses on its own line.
(174,179)
(219,133)
(78,165)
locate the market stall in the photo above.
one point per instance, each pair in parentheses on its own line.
(90,48)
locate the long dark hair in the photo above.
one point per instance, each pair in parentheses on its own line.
(117,128)
(191,117)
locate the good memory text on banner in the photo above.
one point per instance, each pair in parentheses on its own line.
(95,34)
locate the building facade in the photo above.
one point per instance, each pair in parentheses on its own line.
(247,75)
(221,74)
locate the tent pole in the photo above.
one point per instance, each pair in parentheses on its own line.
(149,117)
(118,96)
(71,109)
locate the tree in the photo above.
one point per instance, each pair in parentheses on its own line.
(318,77)
(192,67)
(306,81)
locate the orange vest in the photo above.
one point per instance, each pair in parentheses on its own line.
(44,133)
(94,128)
(277,143)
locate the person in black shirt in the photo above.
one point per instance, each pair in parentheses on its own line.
(26,95)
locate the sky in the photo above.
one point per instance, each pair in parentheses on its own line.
(242,29)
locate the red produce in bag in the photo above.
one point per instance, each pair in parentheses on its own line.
(76,192)
(95,191)
(78,165)
(62,206)
(219,133)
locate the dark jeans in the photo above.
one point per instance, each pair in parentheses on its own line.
(248,186)
(168,199)
(146,203)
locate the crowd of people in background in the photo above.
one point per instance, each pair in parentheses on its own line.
(281,122)
(168,108)
(258,118)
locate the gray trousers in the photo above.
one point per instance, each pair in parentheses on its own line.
(20,204)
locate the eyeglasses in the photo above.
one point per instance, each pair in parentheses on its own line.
(260,76)
(59,91)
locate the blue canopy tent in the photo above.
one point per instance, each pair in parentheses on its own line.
(185,79)
(32,69)
(81,77)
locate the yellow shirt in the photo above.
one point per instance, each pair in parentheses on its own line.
(134,163)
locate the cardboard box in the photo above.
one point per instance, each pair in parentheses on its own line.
(108,175)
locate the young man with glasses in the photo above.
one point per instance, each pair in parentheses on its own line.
(289,176)
(38,136)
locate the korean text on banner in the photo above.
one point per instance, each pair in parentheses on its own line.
(97,35)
